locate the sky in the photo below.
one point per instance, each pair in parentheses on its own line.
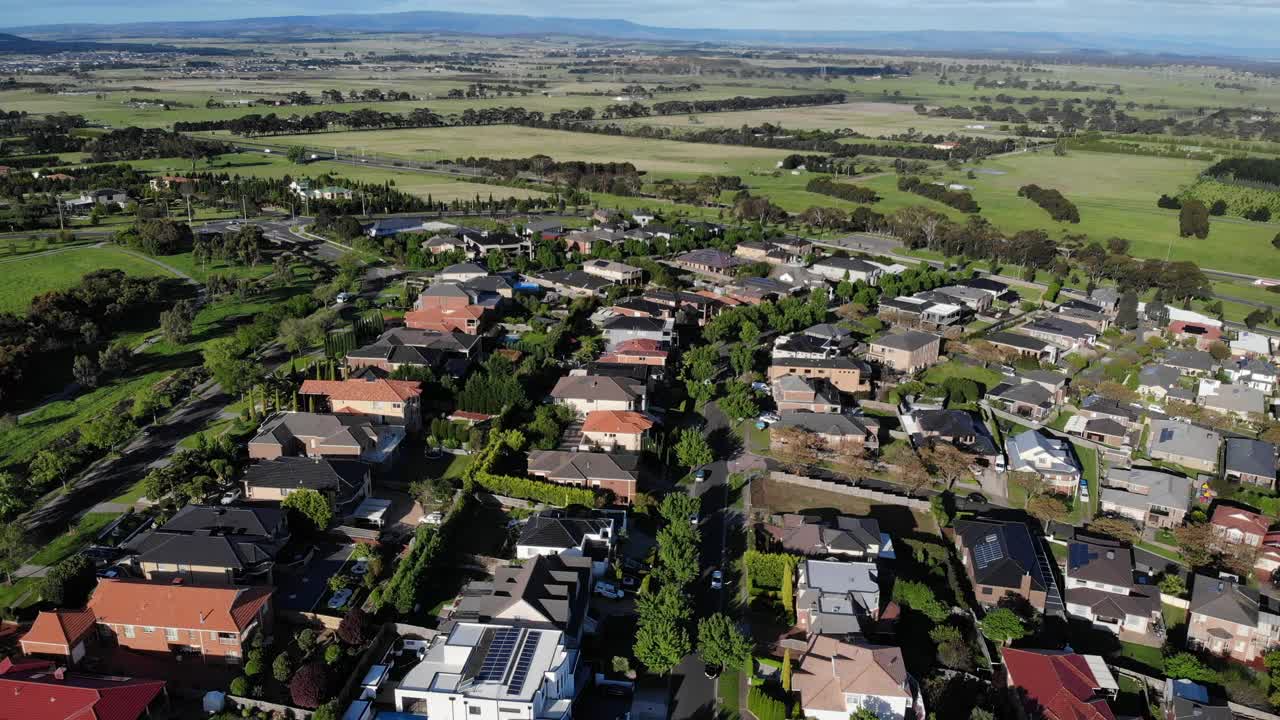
(1246,21)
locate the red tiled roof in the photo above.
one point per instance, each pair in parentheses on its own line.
(639,344)
(363,390)
(622,422)
(1061,684)
(216,609)
(60,627)
(1177,327)
(36,691)
(468,415)
(1234,518)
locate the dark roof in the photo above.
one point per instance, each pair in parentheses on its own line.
(235,520)
(1024,342)
(577,279)
(840,362)
(711,258)
(1100,561)
(639,304)
(909,340)
(556,587)
(1074,304)
(1031,393)
(947,423)
(214,536)
(344,477)
(1252,457)
(1003,552)
(1057,326)
(1192,359)
(1107,406)
(1226,600)
(576,467)
(984,283)
(810,535)
(837,424)
(547,529)
(1105,426)
(635,324)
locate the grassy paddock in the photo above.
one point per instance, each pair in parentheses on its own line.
(28,277)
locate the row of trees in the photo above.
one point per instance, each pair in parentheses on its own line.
(961,200)
(844,191)
(1051,201)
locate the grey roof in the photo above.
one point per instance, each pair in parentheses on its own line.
(948,423)
(1184,439)
(464,268)
(1100,561)
(235,520)
(712,258)
(578,467)
(1003,553)
(345,477)
(811,535)
(1191,359)
(554,587)
(1058,451)
(1107,406)
(1025,342)
(1080,305)
(1105,426)
(828,330)
(1161,376)
(635,324)
(1031,393)
(1225,600)
(1163,489)
(1252,457)
(597,387)
(577,279)
(547,529)
(213,536)
(838,594)
(909,340)
(448,290)
(1185,700)
(837,424)
(343,430)
(1057,326)
(1236,398)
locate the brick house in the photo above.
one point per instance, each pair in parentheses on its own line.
(616,472)
(1233,620)
(796,393)
(42,690)
(447,307)
(1239,526)
(616,429)
(387,402)
(845,374)
(1001,559)
(587,393)
(905,350)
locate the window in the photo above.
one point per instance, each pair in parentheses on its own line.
(148,629)
(171,634)
(986,591)
(228,639)
(128,631)
(473,710)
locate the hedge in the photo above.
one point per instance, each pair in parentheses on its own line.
(767,569)
(764,706)
(551,493)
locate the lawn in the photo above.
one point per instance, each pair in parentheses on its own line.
(1151,657)
(1089,464)
(27,277)
(1060,421)
(70,542)
(727,688)
(776,497)
(942,372)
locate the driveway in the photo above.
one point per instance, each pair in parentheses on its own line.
(305,589)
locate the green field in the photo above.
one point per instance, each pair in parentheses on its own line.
(868,118)
(27,277)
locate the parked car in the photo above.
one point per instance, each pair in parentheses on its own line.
(1155,408)
(359,567)
(342,297)
(976,497)
(693,518)
(608,590)
(700,475)
(340,599)
(630,582)
(434,518)
(769,417)
(717,579)
(711,671)
(231,496)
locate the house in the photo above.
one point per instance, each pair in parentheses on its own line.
(1259,374)
(1250,461)
(574,283)
(905,350)
(107,196)
(387,402)
(1049,457)
(621,329)
(1230,619)
(1100,588)
(1059,685)
(1185,700)
(212,545)
(640,351)
(1155,381)
(41,690)
(837,269)
(437,244)
(615,272)
(1238,526)
(1251,344)
(833,428)
(400,347)
(1001,559)
(587,393)
(1240,400)
(1024,398)
(1023,345)
(616,430)
(213,624)
(798,393)
(345,482)
(1095,407)
(1060,332)
(332,192)
(460,273)
(63,634)
(844,537)
(700,307)
(548,590)
(550,533)
(640,307)
(976,300)
(616,472)
(587,242)
(1203,335)
(1195,363)
(996,289)
(710,262)
(316,435)
(543,228)
(526,671)
(1099,430)
(845,374)
(836,679)
(836,598)
(1184,444)
(1107,298)
(957,427)
(802,346)
(926,311)
(449,307)
(480,243)
(1148,496)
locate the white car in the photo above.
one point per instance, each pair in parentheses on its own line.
(1155,408)
(231,496)
(434,518)
(359,567)
(717,580)
(342,298)
(340,599)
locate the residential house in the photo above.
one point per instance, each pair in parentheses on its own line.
(587,393)
(615,472)
(437,244)
(996,289)
(387,402)
(543,228)
(1096,407)
(1203,335)
(1023,345)
(905,350)
(976,300)
(587,242)
(836,679)
(1195,363)
(551,533)
(449,307)
(1184,444)
(37,689)
(1255,372)
(640,307)
(798,393)
(1063,333)
(837,269)
(833,428)
(316,435)
(212,545)
(398,347)
(1001,559)
(615,272)
(488,672)
(107,196)
(710,262)
(1146,495)
(802,346)
(64,634)
(621,329)
(1232,620)
(1250,461)
(460,273)
(574,283)
(640,351)
(616,430)
(843,537)
(1240,400)
(845,374)
(547,590)
(1238,526)
(698,306)
(1185,700)
(479,243)
(1023,398)
(836,598)
(1049,457)
(957,427)
(1107,298)
(926,311)
(1155,381)
(345,482)
(1059,685)
(1100,588)
(1100,430)
(1251,344)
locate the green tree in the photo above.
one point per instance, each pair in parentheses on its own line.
(1193,219)
(1185,666)
(225,361)
(69,583)
(661,645)
(1002,625)
(49,466)
(281,668)
(786,669)
(327,711)
(678,507)
(693,450)
(14,549)
(107,431)
(919,597)
(297,154)
(1173,584)
(311,505)
(789,591)
(721,643)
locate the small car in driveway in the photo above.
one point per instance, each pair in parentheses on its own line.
(717,579)
(231,496)
(608,590)
(340,599)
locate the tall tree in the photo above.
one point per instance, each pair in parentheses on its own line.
(721,643)
(661,645)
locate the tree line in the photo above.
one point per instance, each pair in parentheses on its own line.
(844,191)
(1051,201)
(959,199)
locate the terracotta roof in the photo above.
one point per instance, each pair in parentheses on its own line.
(363,390)
(60,627)
(622,422)
(35,690)
(469,415)
(639,344)
(830,669)
(217,609)
(1234,518)
(1061,684)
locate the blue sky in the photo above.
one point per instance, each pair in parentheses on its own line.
(1253,22)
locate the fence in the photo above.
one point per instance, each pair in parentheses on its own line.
(851,490)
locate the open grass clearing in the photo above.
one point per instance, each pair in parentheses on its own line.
(868,118)
(84,532)
(27,277)
(778,497)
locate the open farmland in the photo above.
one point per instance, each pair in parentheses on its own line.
(662,156)
(27,277)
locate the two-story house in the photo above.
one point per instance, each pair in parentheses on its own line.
(616,430)
(550,532)
(1250,461)
(588,393)
(905,350)
(1230,619)
(836,679)
(836,598)
(316,435)
(546,590)
(1049,457)
(212,545)
(452,352)
(1146,495)
(844,373)
(1001,559)
(1100,588)
(855,538)
(620,329)
(449,307)
(386,402)
(1059,685)
(346,483)
(1184,444)
(796,393)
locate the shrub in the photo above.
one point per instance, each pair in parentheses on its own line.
(332,654)
(354,628)
(240,686)
(309,685)
(764,706)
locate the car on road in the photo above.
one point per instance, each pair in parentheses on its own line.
(976,497)
(231,496)
(1155,408)
(717,579)
(630,582)
(340,599)
(700,475)
(342,297)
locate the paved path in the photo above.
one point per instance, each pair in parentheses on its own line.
(29,570)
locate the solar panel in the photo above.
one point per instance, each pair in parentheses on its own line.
(987,552)
(498,657)
(524,662)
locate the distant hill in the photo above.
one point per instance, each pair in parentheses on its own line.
(521,25)
(18,45)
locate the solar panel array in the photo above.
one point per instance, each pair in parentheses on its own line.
(499,655)
(987,551)
(524,662)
